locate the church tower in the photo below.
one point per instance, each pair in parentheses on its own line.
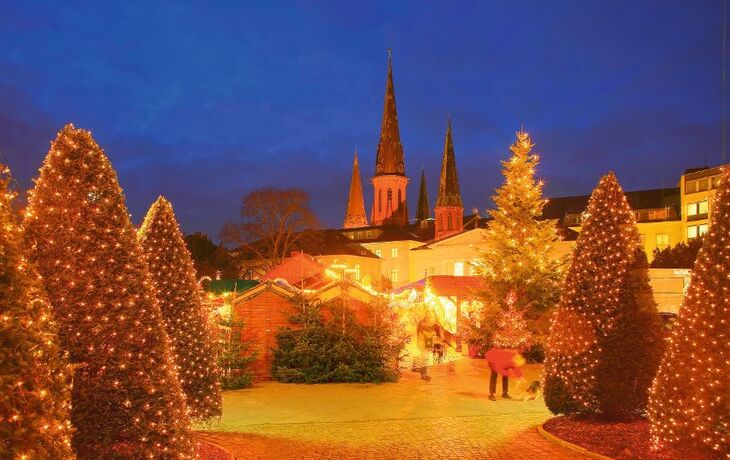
(423,212)
(355,215)
(449,207)
(389,184)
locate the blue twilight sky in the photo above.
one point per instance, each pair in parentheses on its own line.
(204,101)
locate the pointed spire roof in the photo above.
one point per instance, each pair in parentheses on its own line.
(424,211)
(389,159)
(355,214)
(449,191)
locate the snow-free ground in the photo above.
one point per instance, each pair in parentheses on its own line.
(448,417)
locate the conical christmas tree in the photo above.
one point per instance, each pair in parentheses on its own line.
(512,331)
(126,399)
(690,398)
(186,319)
(517,261)
(592,297)
(34,374)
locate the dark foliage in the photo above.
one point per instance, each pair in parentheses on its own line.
(338,350)
(209,259)
(681,255)
(535,354)
(557,397)
(631,352)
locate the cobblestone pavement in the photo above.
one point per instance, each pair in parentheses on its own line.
(446,418)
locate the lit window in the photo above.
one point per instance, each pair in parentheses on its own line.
(692,209)
(357,272)
(692,232)
(703,207)
(702,229)
(394,252)
(662,239)
(379,252)
(459,269)
(394,275)
(691,187)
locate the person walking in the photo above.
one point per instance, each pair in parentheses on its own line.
(504,362)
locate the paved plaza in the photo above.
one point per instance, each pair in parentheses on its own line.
(446,418)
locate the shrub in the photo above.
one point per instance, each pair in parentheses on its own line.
(535,354)
(681,255)
(339,350)
(557,396)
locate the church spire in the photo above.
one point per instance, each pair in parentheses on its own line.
(424,211)
(389,158)
(355,215)
(449,192)
(449,207)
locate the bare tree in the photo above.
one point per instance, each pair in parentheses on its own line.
(274,222)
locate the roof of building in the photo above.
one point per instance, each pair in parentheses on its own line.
(456,286)
(700,173)
(389,159)
(449,191)
(318,243)
(557,208)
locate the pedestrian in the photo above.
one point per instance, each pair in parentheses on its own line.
(504,362)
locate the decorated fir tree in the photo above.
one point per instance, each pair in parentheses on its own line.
(595,295)
(690,398)
(126,399)
(512,330)
(517,261)
(34,374)
(183,312)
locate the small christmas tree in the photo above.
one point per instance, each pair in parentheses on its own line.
(690,398)
(512,331)
(591,300)
(126,399)
(183,312)
(517,258)
(34,373)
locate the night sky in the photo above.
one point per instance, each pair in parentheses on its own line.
(203,102)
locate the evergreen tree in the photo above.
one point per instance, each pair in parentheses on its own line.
(517,260)
(183,312)
(690,398)
(34,373)
(592,297)
(631,350)
(126,399)
(512,330)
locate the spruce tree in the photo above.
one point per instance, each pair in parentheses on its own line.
(517,262)
(126,399)
(186,319)
(593,294)
(34,373)
(690,398)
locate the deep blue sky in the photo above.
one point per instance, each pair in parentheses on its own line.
(205,101)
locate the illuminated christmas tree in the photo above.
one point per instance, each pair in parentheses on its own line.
(593,295)
(126,399)
(34,374)
(690,398)
(186,319)
(512,331)
(517,257)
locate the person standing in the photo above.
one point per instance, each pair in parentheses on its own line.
(504,362)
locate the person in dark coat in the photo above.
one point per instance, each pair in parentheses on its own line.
(502,362)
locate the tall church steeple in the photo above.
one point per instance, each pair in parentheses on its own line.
(424,210)
(355,215)
(390,181)
(449,207)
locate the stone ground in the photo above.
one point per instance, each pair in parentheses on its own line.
(448,417)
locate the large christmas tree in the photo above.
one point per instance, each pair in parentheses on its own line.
(517,261)
(34,374)
(183,312)
(690,398)
(126,399)
(596,293)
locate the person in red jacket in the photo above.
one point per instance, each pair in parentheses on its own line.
(506,363)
